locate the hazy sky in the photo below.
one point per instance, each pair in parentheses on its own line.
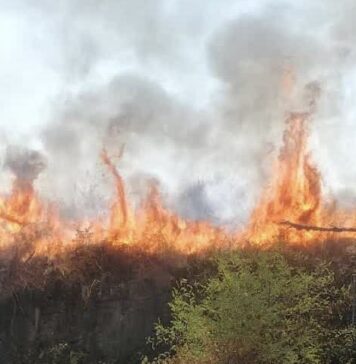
(192,88)
(52,48)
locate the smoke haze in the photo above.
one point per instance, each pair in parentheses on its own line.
(195,93)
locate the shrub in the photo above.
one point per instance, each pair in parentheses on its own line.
(257,309)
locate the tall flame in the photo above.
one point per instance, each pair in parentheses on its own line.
(295,192)
(291,209)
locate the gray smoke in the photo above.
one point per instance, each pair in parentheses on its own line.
(194,93)
(25,164)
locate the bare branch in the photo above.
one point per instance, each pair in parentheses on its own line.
(333,229)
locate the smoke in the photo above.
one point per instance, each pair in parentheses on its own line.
(195,94)
(24,163)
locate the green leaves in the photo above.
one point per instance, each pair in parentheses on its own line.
(257,309)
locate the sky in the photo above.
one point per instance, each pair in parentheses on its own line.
(191,90)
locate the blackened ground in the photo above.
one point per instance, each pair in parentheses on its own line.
(96,302)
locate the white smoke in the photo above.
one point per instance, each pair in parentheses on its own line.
(193,92)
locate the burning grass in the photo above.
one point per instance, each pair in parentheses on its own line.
(63,294)
(39,250)
(292,209)
(84,262)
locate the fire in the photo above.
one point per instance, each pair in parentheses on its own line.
(291,209)
(295,192)
(152,228)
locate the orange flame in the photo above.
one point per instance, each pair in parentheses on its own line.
(292,208)
(289,206)
(295,192)
(152,228)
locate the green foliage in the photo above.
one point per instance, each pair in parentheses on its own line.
(258,309)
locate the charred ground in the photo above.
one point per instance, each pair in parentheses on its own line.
(99,303)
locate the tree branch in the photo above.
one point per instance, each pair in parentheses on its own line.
(333,229)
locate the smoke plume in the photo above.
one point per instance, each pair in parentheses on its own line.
(25,164)
(195,94)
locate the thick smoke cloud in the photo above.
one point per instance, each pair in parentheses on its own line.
(195,94)
(25,164)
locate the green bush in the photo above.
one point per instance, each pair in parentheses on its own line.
(258,309)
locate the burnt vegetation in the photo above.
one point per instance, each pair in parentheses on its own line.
(94,301)
(104,303)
